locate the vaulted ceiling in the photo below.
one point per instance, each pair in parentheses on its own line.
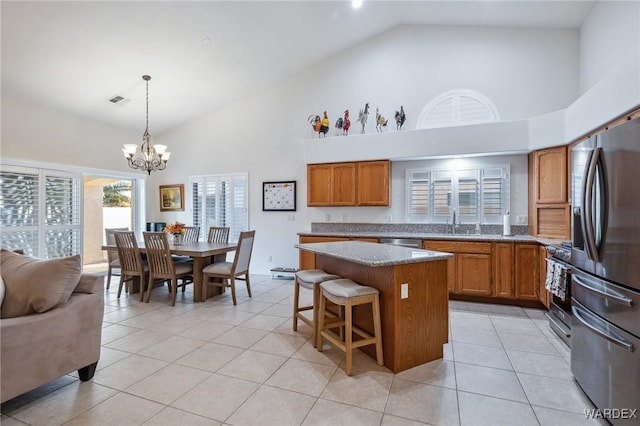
(75,56)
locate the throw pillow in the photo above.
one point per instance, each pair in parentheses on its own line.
(36,285)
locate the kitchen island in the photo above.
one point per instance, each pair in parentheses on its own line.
(415,327)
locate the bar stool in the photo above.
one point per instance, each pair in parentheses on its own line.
(309,279)
(346,293)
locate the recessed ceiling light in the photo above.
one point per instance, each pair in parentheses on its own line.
(356,4)
(205,40)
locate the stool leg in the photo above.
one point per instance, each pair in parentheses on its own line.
(321,315)
(296,300)
(316,296)
(377,329)
(348,337)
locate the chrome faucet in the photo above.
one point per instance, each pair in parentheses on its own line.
(454,225)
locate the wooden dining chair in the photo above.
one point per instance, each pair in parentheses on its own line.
(218,234)
(113,260)
(162,267)
(232,271)
(192,235)
(131,263)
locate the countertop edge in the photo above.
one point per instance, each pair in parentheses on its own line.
(433,255)
(426,236)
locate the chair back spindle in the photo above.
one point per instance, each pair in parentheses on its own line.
(192,235)
(131,264)
(218,234)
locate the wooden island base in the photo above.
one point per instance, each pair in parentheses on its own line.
(414,329)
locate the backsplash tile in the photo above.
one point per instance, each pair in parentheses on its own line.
(417,228)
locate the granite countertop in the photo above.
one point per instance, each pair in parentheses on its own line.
(427,236)
(372,254)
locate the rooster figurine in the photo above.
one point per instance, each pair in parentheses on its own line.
(363,115)
(380,121)
(344,123)
(320,125)
(400,118)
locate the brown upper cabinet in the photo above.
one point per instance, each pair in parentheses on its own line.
(364,183)
(549,212)
(373,183)
(550,169)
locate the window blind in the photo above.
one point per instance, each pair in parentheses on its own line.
(41,211)
(479,195)
(220,200)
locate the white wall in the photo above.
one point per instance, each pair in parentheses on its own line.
(609,36)
(36,133)
(264,135)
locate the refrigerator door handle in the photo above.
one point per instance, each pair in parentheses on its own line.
(603,201)
(613,296)
(577,314)
(587,203)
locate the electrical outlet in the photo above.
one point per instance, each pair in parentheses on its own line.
(521,219)
(270,258)
(344,217)
(327,218)
(404,291)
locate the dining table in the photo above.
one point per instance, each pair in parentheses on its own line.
(203,254)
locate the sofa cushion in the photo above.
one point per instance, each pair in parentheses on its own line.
(36,285)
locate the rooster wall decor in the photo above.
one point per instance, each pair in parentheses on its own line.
(344,123)
(320,125)
(363,115)
(380,121)
(400,118)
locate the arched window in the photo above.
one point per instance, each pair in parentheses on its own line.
(458,108)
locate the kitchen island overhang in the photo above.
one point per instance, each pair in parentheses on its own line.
(415,328)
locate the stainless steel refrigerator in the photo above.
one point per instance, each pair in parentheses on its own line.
(605,283)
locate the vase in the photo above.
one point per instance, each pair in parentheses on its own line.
(178,239)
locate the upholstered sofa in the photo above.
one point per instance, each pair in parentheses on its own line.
(51,321)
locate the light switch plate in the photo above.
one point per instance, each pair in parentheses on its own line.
(404,291)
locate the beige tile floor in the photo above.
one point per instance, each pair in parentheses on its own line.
(212,363)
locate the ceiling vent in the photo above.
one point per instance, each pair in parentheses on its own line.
(119,100)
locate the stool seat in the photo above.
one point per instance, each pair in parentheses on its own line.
(346,288)
(347,294)
(310,277)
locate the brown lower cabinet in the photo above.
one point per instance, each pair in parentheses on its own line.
(504,272)
(507,272)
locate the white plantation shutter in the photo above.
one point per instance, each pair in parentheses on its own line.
(419,188)
(495,191)
(468,196)
(442,195)
(41,211)
(457,108)
(220,200)
(478,195)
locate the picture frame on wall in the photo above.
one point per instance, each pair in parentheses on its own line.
(172,198)
(279,196)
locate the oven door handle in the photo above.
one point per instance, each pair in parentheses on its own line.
(613,296)
(602,333)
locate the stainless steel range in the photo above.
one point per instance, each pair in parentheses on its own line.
(559,314)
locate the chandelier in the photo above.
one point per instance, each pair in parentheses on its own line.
(152,158)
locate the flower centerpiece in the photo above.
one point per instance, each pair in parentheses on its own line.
(177,229)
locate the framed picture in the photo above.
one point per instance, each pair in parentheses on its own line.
(279,196)
(171,198)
